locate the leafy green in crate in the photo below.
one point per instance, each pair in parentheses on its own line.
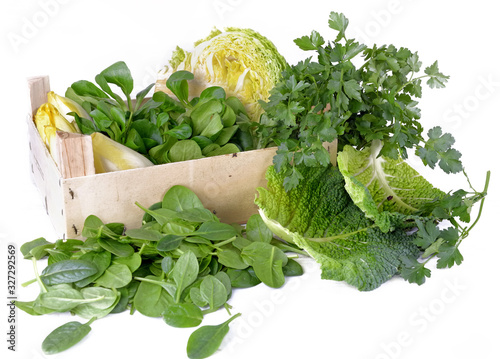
(162,128)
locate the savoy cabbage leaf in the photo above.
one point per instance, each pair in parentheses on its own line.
(389,191)
(320,217)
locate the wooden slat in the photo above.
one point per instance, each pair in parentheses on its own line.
(38,87)
(75,156)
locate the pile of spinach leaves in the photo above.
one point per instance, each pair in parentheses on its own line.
(181,264)
(162,128)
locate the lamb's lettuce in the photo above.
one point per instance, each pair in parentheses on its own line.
(388,191)
(320,217)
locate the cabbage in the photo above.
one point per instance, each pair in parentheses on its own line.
(319,217)
(243,62)
(388,191)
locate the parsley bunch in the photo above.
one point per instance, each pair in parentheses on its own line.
(333,99)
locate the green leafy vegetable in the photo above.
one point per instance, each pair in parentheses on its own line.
(388,191)
(180,265)
(241,61)
(320,217)
(65,336)
(205,341)
(355,95)
(183,315)
(68,271)
(161,128)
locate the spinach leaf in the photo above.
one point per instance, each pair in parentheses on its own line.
(143,234)
(267,261)
(206,118)
(65,336)
(216,231)
(230,256)
(178,227)
(101,260)
(213,291)
(56,256)
(167,264)
(245,278)
(205,341)
(27,247)
(197,215)
(197,298)
(101,301)
(61,299)
(226,281)
(151,299)
(257,230)
(183,315)
(68,245)
(169,242)
(27,307)
(117,248)
(292,268)
(133,262)
(67,271)
(116,276)
(160,215)
(92,226)
(179,198)
(184,272)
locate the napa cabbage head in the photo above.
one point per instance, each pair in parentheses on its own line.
(242,61)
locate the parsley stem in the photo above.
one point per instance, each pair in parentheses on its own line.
(411,81)
(486,184)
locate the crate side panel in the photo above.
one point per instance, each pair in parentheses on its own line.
(225,184)
(47,179)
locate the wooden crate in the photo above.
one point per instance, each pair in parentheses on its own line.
(225,184)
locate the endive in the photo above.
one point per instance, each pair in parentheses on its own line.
(66,105)
(110,155)
(48,120)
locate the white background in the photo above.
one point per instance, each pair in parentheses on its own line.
(454,315)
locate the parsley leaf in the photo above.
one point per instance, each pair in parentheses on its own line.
(414,271)
(338,22)
(438,149)
(436,78)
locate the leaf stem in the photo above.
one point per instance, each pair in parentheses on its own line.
(38,279)
(91,320)
(25,284)
(485,190)
(220,244)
